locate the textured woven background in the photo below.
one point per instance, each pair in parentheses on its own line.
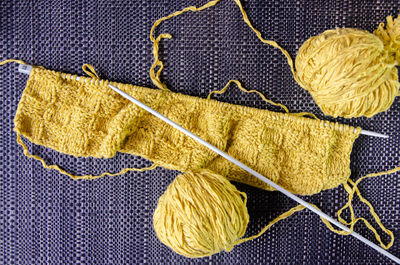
(48,218)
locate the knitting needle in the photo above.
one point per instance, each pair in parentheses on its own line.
(26,69)
(375,134)
(254,173)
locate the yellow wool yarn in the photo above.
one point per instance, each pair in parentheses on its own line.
(200,214)
(351,72)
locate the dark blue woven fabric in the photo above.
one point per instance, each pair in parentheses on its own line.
(47,218)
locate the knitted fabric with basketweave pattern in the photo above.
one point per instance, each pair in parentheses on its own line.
(85,118)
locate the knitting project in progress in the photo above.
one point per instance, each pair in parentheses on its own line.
(86,118)
(81,116)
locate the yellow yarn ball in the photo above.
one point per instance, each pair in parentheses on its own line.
(351,72)
(200,214)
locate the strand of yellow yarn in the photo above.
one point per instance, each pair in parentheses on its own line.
(62,171)
(239,85)
(89,70)
(11,61)
(354,189)
(157,62)
(355,220)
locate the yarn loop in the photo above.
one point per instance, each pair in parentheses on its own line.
(390,36)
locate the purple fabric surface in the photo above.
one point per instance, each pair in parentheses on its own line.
(47,218)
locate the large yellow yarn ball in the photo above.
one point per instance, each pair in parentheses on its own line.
(351,72)
(200,214)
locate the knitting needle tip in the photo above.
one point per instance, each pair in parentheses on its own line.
(375,134)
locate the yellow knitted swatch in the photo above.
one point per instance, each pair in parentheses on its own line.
(86,118)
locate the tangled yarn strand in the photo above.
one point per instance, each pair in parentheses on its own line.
(76,177)
(239,85)
(155,78)
(354,189)
(157,62)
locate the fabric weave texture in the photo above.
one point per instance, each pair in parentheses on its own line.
(48,218)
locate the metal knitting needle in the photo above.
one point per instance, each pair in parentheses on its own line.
(375,134)
(26,69)
(254,173)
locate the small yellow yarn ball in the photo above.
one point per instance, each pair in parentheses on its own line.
(351,72)
(201,213)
